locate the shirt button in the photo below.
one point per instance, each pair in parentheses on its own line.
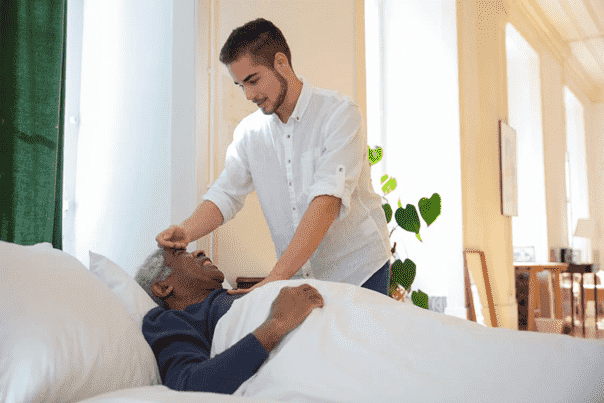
(289,161)
(293,208)
(306,275)
(290,184)
(288,136)
(341,169)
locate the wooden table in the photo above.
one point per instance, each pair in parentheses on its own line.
(533,295)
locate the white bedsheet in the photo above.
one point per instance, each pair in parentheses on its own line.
(163,394)
(364,347)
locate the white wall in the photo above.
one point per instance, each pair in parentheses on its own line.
(322,36)
(135,152)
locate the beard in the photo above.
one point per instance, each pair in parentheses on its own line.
(280,96)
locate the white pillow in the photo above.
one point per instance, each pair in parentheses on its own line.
(65,336)
(136,300)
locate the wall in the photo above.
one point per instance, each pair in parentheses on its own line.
(325,42)
(483,96)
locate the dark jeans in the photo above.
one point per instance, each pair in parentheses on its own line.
(380,280)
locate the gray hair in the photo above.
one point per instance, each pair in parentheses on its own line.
(152,270)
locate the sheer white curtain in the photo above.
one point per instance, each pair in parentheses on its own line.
(529,228)
(578,202)
(413,113)
(130,165)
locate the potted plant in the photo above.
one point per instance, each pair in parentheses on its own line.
(402,273)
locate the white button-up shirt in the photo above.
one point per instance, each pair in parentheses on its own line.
(321,150)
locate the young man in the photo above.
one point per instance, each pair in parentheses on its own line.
(304,152)
(188,288)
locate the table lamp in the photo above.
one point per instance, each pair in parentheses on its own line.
(586,228)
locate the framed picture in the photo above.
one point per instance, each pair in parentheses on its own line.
(508,170)
(524,254)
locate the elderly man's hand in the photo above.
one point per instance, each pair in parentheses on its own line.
(291,307)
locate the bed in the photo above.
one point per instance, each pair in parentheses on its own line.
(71,333)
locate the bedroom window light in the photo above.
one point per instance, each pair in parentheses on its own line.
(529,228)
(413,114)
(578,198)
(129,159)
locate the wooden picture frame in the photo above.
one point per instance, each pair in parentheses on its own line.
(508,170)
(475,272)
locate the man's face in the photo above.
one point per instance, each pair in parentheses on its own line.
(261,84)
(193,270)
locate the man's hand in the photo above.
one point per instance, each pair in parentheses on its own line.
(174,237)
(288,311)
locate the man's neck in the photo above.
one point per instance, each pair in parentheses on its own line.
(180,304)
(291,100)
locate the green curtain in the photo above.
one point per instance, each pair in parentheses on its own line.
(32,62)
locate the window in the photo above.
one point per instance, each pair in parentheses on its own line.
(129,160)
(576,185)
(413,114)
(529,228)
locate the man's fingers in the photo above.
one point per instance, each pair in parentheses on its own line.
(239,291)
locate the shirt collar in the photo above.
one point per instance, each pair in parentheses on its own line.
(303,100)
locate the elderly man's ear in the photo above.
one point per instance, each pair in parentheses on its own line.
(161,289)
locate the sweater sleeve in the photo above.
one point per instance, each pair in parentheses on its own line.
(188,367)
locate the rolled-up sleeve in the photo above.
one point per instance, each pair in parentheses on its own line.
(233,185)
(339,166)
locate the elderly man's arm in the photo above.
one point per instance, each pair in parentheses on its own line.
(183,351)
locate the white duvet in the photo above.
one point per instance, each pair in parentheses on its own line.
(365,347)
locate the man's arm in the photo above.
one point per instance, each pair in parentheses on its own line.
(184,359)
(206,218)
(315,223)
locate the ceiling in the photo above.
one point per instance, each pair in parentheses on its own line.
(580,25)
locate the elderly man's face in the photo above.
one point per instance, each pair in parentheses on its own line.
(194,270)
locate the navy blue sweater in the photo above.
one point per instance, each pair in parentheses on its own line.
(181,342)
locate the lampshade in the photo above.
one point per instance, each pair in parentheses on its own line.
(586,228)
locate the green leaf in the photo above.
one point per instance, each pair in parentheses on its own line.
(429,208)
(403,272)
(375,156)
(420,299)
(407,218)
(387,211)
(399,203)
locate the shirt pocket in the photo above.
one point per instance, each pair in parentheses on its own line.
(308,161)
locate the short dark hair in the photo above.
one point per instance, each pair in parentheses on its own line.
(260,38)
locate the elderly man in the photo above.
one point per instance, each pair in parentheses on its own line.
(188,288)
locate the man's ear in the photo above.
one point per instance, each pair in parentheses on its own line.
(161,289)
(281,62)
